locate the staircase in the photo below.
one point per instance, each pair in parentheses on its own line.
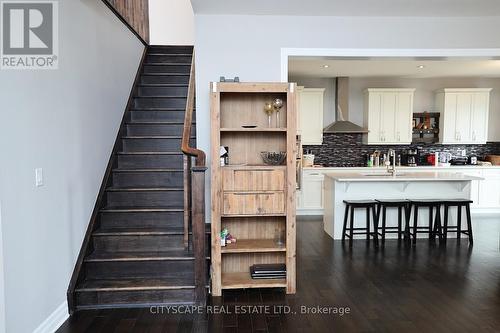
(137,251)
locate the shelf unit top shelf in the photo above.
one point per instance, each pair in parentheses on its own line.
(253,245)
(256,129)
(238,280)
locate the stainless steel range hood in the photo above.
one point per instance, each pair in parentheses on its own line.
(343,125)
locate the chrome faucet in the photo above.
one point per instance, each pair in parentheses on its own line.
(391,168)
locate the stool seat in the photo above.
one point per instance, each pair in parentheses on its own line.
(395,202)
(362,203)
(426,202)
(457,201)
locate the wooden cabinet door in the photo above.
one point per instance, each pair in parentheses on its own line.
(312,188)
(404,115)
(479,115)
(463,117)
(311,116)
(374,117)
(388,117)
(262,203)
(449,126)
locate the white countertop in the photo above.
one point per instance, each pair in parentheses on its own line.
(402,176)
(424,167)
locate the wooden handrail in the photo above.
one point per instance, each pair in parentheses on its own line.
(199,155)
(194,196)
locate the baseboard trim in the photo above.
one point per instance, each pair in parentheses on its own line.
(55,320)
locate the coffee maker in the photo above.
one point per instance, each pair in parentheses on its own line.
(411,157)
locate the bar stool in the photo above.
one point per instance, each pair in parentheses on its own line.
(351,205)
(459,203)
(401,205)
(434,227)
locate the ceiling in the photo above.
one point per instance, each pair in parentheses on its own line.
(415,8)
(384,67)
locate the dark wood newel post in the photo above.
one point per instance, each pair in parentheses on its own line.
(199,235)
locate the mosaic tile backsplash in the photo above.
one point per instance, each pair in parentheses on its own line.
(348,150)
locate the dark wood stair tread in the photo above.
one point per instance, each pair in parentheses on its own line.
(136,232)
(144,189)
(165,74)
(157,109)
(163,85)
(132,285)
(150,153)
(140,209)
(161,122)
(140,256)
(148,170)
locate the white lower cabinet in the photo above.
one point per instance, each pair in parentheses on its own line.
(310,196)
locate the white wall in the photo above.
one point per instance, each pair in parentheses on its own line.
(171,22)
(2,290)
(64,121)
(424,95)
(250,46)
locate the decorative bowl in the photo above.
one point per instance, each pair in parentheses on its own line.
(273,158)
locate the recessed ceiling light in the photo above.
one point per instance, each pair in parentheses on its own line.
(326,66)
(420,66)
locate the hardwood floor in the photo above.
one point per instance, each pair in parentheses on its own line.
(395,289)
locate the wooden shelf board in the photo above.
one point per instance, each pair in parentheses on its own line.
(253,245)
(252,215)
(244,280)
(253,166)
(257,129)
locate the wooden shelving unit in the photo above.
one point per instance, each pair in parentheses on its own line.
(254,201)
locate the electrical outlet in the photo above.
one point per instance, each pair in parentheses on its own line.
(38,177)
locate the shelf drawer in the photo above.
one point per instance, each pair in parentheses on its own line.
(253,180)
(262,203)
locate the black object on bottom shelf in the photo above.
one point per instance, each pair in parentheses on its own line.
(268,271)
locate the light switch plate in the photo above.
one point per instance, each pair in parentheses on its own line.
(38,177)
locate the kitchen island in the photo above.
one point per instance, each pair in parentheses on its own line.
(383,185)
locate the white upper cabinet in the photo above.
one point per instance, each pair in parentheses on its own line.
(388,114)
(464,115)
(310,115)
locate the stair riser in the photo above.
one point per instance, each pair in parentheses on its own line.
(174,221)
(169,49)
(148,179)
(161,269)
(152,145)
(152,58)
(163,79)
(154,129)
(163,91)
(170,69)
(143,115)
(149,102)
(134,243)
(171,199)
(134,297)
(150,161)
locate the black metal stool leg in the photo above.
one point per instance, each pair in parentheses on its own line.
(459,222)
(384,220)
(400,213)
(367,224)
(469,223)
(445,228)
(431,217)
(351,227)
(437,223)
(346,215)
(415,222)
(375,225)
(407,221)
